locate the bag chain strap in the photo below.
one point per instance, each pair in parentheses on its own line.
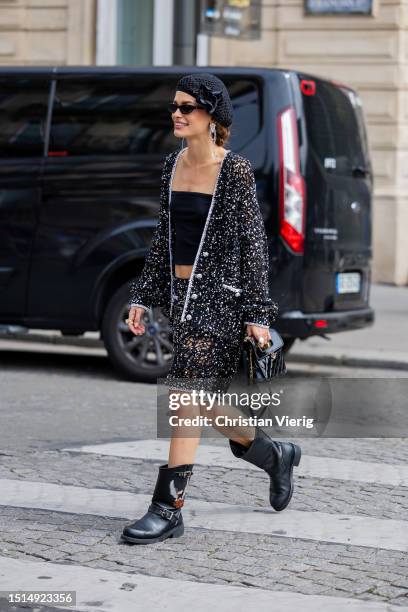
(251,366)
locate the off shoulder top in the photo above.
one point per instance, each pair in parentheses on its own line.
(189,210)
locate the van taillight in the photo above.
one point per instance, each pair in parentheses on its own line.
(292,192)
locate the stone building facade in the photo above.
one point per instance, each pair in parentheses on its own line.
(368,52)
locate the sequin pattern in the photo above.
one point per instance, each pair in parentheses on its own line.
(201,360)
(229,282)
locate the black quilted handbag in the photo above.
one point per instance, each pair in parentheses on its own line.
(260,364)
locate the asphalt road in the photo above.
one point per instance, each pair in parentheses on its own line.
(79,457)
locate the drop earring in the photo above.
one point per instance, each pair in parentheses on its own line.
(213,138)
(182,143)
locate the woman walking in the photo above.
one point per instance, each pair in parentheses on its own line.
(208,268)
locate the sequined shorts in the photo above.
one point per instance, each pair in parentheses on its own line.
(201,360)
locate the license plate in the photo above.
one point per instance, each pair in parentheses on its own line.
(348,282)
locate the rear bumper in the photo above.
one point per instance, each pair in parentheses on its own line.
(298,324)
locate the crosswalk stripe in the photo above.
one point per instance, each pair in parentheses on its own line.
(310,466)
(116,591)
(335,528)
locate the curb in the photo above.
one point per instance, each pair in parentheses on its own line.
(325,359)
(54,339)
(345,360)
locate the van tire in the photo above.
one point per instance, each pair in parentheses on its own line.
(116,337)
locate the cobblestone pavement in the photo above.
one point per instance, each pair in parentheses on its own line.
(268,562)
(241,559)
(223,484)
(121,411)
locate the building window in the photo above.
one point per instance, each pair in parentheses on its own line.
(134,32)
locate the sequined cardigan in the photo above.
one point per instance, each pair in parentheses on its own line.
(228,286)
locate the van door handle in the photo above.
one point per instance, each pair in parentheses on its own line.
(359,171)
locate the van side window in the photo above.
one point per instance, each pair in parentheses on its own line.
(334,128)
(23,112)
(112,116)
(129,116)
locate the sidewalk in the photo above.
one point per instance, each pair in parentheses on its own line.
(383,345)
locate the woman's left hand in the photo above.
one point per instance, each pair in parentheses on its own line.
(261,334)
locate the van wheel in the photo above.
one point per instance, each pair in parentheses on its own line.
(140,358)
(288,343)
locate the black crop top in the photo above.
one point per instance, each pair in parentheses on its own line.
(189,210)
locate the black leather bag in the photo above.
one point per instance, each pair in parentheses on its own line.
(260,364)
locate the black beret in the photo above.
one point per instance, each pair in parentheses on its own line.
(211,93)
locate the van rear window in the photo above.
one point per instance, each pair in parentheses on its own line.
(335,127)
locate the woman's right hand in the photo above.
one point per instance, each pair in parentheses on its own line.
(135,319)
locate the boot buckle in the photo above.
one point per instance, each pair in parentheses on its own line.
(186,473)
(170,515)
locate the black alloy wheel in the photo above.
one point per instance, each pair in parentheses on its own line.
(141,358)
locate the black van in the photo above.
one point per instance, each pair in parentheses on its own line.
(81,154)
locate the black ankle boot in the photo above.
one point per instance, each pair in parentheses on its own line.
(277,459)
(163,518)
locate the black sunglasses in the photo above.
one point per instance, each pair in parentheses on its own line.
(185,109)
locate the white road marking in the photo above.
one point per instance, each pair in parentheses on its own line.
(310,466)
(116,591)
(318,526)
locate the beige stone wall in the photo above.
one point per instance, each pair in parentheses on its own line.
(43,32)
(370,53)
